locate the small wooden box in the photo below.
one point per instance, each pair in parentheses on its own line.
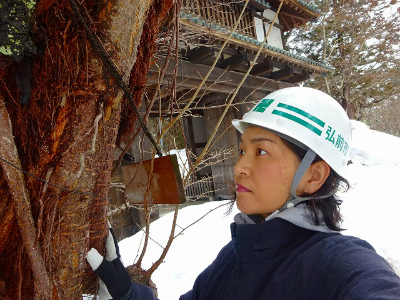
(166,184)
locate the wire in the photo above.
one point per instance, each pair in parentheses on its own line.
(53,185)
(112,69)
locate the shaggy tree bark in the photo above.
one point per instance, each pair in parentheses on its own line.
(65,137)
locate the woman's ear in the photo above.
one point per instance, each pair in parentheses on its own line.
(314,178)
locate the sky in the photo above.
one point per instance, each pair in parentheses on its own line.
(371,211)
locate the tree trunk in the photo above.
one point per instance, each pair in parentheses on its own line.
(65,138)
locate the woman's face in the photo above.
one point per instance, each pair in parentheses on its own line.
(264,172)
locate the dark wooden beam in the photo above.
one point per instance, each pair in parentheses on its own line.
(295,16)
(187,95)
(261,69)
(218,79)
(193,83)
(190,134)
(200,54)
(285,22)
(235,62)
(212,99)
(208,101)
(282,74)
(298,78)
(200,145)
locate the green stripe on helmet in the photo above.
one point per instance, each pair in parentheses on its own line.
(297,120)
(303,113)
(263,105)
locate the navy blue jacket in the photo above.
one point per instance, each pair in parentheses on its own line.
(281,261)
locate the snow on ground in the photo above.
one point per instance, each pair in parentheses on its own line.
(370,210)
(371,207)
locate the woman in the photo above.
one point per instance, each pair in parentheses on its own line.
(285,242)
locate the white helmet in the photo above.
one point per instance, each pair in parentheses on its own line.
(308,116)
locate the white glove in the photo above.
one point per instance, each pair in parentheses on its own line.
(115,282)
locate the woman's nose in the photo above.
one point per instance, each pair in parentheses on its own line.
(242,167)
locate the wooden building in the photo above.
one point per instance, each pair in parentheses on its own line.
(204,26)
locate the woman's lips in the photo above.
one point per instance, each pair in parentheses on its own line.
(241,189)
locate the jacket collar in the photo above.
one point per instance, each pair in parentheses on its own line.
(254,243)
(298,215)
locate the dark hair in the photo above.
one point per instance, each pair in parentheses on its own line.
(328,207)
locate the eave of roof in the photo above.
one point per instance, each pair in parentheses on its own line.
(302,6)
(222,32)
(309,6)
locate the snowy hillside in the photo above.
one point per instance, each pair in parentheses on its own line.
(370,209)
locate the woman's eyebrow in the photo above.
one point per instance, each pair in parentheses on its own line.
(257,139)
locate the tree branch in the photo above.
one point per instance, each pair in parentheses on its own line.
(22,205)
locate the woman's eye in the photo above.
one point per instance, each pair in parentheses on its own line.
(241,152)
(261,152)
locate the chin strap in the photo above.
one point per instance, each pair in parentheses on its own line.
(301,170)
(294,199)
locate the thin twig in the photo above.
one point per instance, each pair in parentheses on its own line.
(169,126)
(199,219)
(156,264)
(142,229)
(146,209)
(207,146)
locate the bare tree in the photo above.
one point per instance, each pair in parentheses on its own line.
(360,40)
(63,108)
(64,102)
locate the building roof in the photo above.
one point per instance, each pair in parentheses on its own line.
(295,13)
(218,30)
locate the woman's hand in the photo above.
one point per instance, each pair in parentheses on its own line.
(115,282)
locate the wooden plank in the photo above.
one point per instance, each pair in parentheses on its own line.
(166,184)
(200,54)
(191,83)
(284,20)
(285,13)
(197,7)
(208,14)
(298,78)
(261,69)
(212,7)
(212,99)
(238,10)
(194,72)
(202,9)
(221,13)
(282,74)
(233,9)
(190,133)
(253,24)
(235,62)
(231,16)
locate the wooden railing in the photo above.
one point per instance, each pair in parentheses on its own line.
(199,189)
(223,12)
